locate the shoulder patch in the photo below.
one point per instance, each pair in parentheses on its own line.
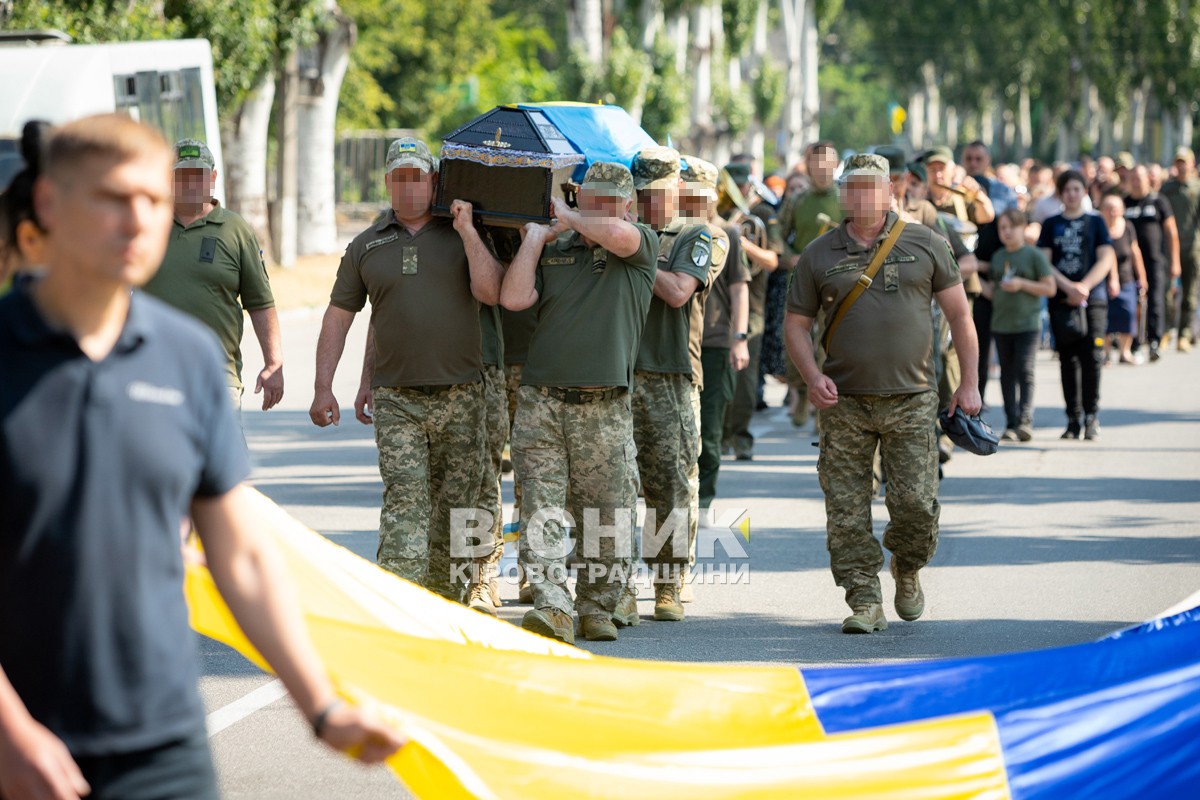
(702,249)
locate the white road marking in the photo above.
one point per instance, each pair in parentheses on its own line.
(243,707)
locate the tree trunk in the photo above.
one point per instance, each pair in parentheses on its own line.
(244,140)
(916,120)
(585,28)
(1185,124)
(933,102)
(952,126)
(1137,132)
(325,67)
(792,127)
(811,129)
(1024,122)
(702,46)
(283,213)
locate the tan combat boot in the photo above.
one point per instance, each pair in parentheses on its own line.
(551,623)
(867,618)
(667,607)
(910,599)
(625,615)
(479,598)
(598,628)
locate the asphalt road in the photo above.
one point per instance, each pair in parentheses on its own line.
(1043,544)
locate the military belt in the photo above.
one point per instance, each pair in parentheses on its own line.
(581,396)
(430,388)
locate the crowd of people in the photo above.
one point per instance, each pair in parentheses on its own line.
(621,351)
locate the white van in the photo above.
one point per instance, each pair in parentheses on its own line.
(167,84)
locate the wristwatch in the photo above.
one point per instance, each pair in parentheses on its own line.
(741,337)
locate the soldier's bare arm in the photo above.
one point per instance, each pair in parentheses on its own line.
(518,290)
(760,256)
(330,344)
(675,288)
(957,311)
(486,272)
(614,234)
(739,320)
(248,571)
(269,383)
(797,333)
(364,402)
(1171,231)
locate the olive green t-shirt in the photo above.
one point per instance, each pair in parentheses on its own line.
(666,339)
(884,344)
(426,320)
(1017,312)
(718,311)
(518,329)
(1184,198)
(591,309)
(798,221)
(493,342)
(213,269)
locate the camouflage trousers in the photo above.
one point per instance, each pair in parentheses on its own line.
(431,459)
(491,500)
(577,457)
(902,427)
(512,382)
(666,429)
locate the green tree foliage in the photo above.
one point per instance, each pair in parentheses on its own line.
(92,21)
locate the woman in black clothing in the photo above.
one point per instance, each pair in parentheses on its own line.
(1131,275)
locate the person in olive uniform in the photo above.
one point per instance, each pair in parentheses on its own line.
(802,219)
(517,327)
(214,268)
(591,277)
(1183,193)
(667,378)
(763,261)
(425,278)
(723,349)
(877,387)
(483,593)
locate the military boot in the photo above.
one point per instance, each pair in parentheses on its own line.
(551,623)
(479,598)
(910,599)
(598,628)
(667,607)
(625,615)
(867,618)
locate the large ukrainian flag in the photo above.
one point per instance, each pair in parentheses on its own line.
(1118,718)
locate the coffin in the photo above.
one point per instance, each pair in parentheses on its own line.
(509,164)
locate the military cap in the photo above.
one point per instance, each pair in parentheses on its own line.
(940,153)
(866,165)
(193,154)
(701,173)
(655,167)
(410,152)
(895,158)
(1185,154)
(918,170)
(739,171)
(1125,160)
(607,177)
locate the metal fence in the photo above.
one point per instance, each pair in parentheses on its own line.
(359,165)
